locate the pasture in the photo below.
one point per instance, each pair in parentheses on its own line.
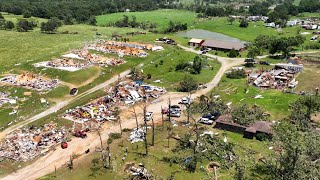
(160,17)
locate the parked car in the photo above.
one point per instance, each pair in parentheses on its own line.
(212,116)
(175,108)
(206,121)
(149,116)
(174,114)
(185,100)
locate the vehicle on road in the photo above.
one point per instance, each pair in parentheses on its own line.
(185,100)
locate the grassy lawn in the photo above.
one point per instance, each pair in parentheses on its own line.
(154,163)
(25,107)
(160,17)
(221,25)
(166,72)
(274,101)
(309,78)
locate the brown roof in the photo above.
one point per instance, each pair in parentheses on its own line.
(261,126)
(227,119)
(223,44)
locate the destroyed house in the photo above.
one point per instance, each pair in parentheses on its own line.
(223,45)
(293,67)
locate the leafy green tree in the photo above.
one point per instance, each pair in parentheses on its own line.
(296,156)
(244,23)
(51,26)
(187,84)
(302,111)
(27,14)
(92,21)
(24,25)
(246,115)
(9,25)
(1,16)
(197,65)
(233,53)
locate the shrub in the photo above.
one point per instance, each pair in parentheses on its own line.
(236,74)
(233,53)
(161,62)
(262,137)
(182,66)
(188,84)
(148,76)
(244,23)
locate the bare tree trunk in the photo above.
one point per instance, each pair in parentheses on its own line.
(169,110)
(196,141)
(146,129)
(135,115)
(152,132)
(100,138)
(119,119)
(109,155)
(162,119)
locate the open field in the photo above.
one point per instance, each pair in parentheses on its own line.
(83,169)
(221,25)
(309,78)
(160,17)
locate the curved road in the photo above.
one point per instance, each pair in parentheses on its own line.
(46,164)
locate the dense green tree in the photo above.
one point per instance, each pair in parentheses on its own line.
(246,115)
(9,25)
(1,17)
(187,84)
(51,26)
(26,14)
(92,21)
(197,65)
(233,53)
(302,111)
(244,23)
(296,156)
(24,25)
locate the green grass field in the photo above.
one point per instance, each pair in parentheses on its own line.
(221,25)
(160,17)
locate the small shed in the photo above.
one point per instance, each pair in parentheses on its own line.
(195,42)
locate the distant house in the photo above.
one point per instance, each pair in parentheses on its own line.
(223,45)
(195,42)
(225,122)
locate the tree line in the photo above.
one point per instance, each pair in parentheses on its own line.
(73,11)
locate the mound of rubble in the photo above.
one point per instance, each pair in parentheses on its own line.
(27,143)
(30,81)
(125,93)
(123,48)
(66,64)
(6,99)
